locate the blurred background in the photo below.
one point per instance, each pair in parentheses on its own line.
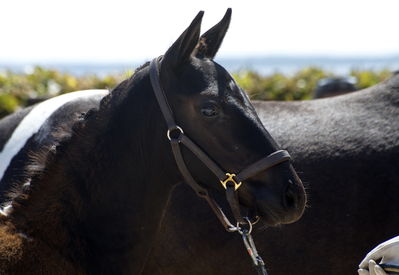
(276,50)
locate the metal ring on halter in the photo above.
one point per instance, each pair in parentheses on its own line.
(233,229)
(239,229)
(173,129)
(257,219)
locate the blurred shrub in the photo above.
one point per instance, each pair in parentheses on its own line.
(369,78)
(17,89)
(8,103)
(300,85)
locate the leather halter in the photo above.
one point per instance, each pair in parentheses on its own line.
(230,181)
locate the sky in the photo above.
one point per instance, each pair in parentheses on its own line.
(124,30)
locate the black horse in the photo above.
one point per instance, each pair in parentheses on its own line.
(87,191)
(333,86)
(347,150)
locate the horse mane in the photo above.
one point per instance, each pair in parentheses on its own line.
(83,132)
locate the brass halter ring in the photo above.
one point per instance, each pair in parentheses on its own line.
(230,178)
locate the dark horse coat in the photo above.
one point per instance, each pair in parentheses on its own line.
(347,151)
(86,193)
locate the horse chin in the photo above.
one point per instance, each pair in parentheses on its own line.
(265,214)
(266,219)
(269,218)
(261,219)
(273,208)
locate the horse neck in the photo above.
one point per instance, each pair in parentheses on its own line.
(108,187)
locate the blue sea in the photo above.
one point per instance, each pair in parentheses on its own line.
(263,65)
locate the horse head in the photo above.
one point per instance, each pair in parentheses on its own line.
(218,116)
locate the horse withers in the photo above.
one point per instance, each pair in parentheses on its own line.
(91,199)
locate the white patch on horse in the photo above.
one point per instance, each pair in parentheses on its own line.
(31,123)
(26,184)
(6,210)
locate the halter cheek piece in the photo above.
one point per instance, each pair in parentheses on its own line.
(230,181)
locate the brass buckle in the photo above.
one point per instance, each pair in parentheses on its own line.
(230,178)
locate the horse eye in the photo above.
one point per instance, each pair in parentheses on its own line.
(209,110)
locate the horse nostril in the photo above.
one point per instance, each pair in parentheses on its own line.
(290,195)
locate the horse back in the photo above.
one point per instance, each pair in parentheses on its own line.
(51,131)
(9,123)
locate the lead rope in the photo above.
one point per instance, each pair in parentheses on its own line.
(245,233)
(253,253)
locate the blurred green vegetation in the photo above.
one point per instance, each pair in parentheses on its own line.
(300,85)
(19,89)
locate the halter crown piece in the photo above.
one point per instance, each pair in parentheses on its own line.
(230,181)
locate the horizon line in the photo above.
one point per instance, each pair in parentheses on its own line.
(346,57)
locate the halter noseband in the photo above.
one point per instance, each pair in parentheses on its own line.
(230,181)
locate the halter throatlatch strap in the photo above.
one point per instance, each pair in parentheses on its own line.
(230,181)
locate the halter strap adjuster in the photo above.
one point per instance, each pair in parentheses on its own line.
(230,178)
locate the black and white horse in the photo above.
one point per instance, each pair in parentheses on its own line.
(85,181)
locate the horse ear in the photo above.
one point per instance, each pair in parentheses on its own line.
(211,40)
(184,46)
